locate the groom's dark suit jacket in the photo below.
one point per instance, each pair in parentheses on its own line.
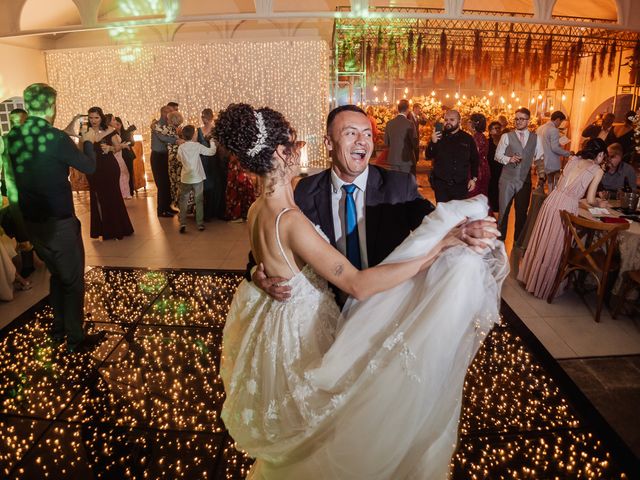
(393,208)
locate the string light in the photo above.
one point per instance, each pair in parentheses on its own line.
(153,409)
(242,72)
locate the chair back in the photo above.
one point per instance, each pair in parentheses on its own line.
(581,232)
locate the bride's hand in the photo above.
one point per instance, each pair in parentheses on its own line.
(478,234)
(271,285)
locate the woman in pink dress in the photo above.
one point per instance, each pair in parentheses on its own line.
(542,258)
(478,124)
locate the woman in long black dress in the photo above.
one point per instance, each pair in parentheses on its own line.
(495,167)
(215,183)
(109,217)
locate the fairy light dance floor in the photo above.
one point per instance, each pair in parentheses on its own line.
(146,403)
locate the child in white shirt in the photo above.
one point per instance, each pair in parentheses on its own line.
(192,176)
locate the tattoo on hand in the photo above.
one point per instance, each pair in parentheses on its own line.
(338,270)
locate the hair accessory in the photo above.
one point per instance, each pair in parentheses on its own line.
(261,141)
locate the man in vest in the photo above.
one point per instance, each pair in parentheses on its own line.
(517,151)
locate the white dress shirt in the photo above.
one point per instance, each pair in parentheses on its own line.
(338,199)
(504,143)
(189,156)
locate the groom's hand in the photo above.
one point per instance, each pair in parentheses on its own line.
(270,285)
(478,234)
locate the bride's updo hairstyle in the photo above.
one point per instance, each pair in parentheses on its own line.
(253,135)
(592,148)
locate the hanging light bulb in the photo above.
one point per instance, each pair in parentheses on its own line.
(406,90)
(564,97)
(433,93)
(513,94)
(377,100)
(457,95)
(517,99)
(502,100)
(464,97)
(446,96)
(539,96)
(459,103)
(375,87)
(385,97)
(533,100)
(491,93)
(583,98)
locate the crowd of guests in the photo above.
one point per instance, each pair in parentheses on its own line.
(193,175)
(467,162)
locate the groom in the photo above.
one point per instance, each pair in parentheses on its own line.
(365,211)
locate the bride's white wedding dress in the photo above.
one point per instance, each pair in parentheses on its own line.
(374,393)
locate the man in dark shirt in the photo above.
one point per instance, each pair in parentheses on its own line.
(617,172)
(455,160)
(40,156)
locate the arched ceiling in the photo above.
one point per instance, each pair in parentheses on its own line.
(42,17)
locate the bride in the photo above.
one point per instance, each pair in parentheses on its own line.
(374,392)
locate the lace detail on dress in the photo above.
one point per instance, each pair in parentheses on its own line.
(301,392)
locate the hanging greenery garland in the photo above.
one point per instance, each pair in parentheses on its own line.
(506,54)
(452,53)
(594,66)
(477,51)
(612,58)
(603,57)
(534,73)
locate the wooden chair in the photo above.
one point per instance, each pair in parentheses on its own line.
(630,279)
(584,251)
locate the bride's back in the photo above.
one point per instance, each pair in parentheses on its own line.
(263,232)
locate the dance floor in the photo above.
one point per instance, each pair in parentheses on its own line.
(146,403)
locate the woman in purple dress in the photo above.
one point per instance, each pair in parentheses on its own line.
(109,217)
(478,124)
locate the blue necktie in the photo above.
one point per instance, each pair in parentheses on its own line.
(351,217)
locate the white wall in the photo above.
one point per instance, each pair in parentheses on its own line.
(20,67)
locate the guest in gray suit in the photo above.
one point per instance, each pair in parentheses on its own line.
(550,139)
(402,139)
(516,150)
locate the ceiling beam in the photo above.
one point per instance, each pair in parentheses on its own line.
(324,15)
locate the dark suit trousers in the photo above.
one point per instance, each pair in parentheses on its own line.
(160,169)
(59,244)
(446,191)
(521,199)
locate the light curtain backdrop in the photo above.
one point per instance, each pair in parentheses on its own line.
(134,82)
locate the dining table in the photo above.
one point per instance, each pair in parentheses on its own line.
(628,240)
